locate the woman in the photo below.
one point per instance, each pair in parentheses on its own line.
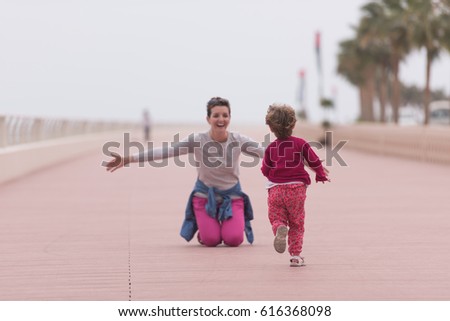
(217,206)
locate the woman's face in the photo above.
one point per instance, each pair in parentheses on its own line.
(220,118)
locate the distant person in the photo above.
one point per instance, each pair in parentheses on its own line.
(146,124)
(217,207)
(283,165)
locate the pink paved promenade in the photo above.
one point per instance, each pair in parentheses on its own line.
(379,231)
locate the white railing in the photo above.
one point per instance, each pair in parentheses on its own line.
(16,130)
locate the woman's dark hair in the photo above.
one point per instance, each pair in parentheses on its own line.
(217,101)
(281,120)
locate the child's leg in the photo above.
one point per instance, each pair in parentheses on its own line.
(233,228)
(295,203)
(208,227)
(277,213)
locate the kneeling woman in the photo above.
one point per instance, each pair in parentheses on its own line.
(217,206)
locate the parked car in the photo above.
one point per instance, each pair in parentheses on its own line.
(440,112)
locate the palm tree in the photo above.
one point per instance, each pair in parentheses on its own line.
(354,65)
(371,35)
(444,7)
(396,32)
(383,33)
(348,61)
(429,29)
(383,81)
(384,37)
(368,69)
(348,64)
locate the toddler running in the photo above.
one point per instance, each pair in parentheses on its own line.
(284,166)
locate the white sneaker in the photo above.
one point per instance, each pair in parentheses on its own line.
(297,261)
(279,243)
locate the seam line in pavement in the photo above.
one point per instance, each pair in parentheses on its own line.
(129,257)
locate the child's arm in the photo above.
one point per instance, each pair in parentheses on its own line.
(314,162)
(327,171)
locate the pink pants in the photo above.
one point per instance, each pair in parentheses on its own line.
(212,232)
(287,207)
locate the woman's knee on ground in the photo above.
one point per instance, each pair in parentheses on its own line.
(234,239)
(210,239)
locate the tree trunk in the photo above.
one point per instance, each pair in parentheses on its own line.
(396,90)
(361,103)
(366,98)
(426,96)
(370,81)
(383,94)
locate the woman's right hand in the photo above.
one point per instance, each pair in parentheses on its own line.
(117,162)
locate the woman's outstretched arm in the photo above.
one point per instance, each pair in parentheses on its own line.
(183,147)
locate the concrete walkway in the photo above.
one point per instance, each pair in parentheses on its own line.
(379,231)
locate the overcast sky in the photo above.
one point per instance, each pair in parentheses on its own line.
(109,59)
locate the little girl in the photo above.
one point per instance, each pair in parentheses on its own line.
(283,165)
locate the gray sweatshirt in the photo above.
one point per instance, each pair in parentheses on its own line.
(217,163)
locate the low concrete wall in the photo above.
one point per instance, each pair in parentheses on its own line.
(423,143)
(309,132)
(431,143)
(20,160)
(28,144)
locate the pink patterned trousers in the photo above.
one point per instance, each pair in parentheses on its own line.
(287,207)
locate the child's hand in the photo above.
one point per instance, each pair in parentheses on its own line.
(324,168)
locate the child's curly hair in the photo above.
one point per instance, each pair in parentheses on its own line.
(281,120)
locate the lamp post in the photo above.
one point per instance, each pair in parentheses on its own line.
(301,113)
(319,64)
